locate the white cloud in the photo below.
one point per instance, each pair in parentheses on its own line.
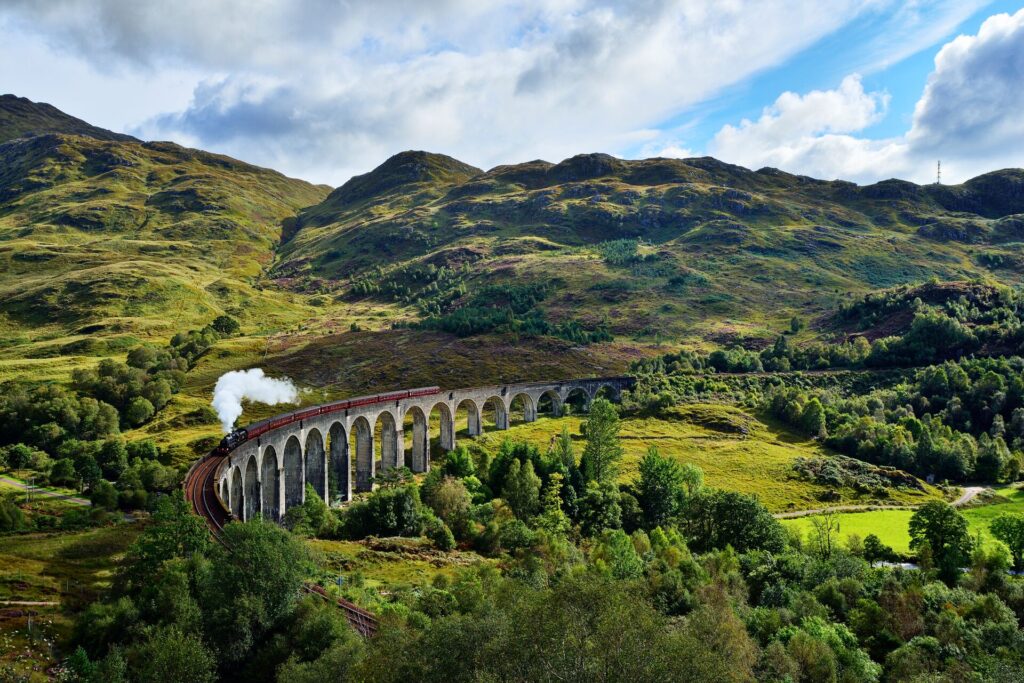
(969,116)
(325,89)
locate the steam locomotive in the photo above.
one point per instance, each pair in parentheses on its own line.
(239,436)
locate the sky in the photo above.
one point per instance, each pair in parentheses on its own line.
(325,89)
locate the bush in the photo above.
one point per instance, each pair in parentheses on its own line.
(63,473)
(104,495)
(439,534)
(11,517)
(139,411)
(393,511)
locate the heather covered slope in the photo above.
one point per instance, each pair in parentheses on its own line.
(651,248)
(108,237)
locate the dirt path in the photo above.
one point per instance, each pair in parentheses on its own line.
(969,494)
(28,603)
(44,492)
(838,508)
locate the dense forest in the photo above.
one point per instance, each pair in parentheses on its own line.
(942,399)
(658,579)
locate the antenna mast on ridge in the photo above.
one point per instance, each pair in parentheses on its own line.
(938,172)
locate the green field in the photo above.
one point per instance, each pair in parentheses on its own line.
(891,525)
(712,437)
(63,570)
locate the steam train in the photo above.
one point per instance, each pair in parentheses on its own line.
(239,436)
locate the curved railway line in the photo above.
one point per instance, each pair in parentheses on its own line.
(201,493)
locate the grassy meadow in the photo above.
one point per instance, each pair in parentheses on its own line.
(736,450)
(891,525)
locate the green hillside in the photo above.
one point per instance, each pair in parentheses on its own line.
(657,248)
(104,240)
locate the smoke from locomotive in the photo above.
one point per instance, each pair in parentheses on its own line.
(232,387)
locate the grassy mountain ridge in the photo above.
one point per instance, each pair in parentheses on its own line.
(656,247)
(120,237)
(20,117)
(104,242)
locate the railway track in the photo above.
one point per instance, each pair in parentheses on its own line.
(200,491)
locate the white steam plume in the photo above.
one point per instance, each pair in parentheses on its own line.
(250,384)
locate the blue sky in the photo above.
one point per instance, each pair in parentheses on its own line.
(322,89)
(823,66)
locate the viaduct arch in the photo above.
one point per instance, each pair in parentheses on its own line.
(340,452)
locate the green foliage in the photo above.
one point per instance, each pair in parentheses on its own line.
(602,452)
(252,586)
(175,532)
(599,509)
(943,530)
(661,490)
(11,516)
(616,553)
(225,325)
(395,511)
(448,498)
(716,519)
(876,551)
(104,495)
(522,489)
(439,534)
(1009,528)
(511,309)
(312,517)
(170,656)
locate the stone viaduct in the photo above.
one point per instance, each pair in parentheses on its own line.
(343,450)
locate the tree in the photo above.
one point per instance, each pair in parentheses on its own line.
(617,553)
(1009,528)
(813,418)
(876,551)
(796,324)
(825,528)
(104,495)
(112,458)
(158,392)
(717,519)
(312,518)
(88,469)
(385,512)
(599,509)
(250,588)
(563,450)
(992,458)
(602,451)
(944,530)
(439,533)
(459,463)
(143,450)
(225,325)
(450,501)
(139,411)
(63,473)
(19,456)
(171,656)
(552,519)
(175,532)
(660,489)
(522,490)
(11,517)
